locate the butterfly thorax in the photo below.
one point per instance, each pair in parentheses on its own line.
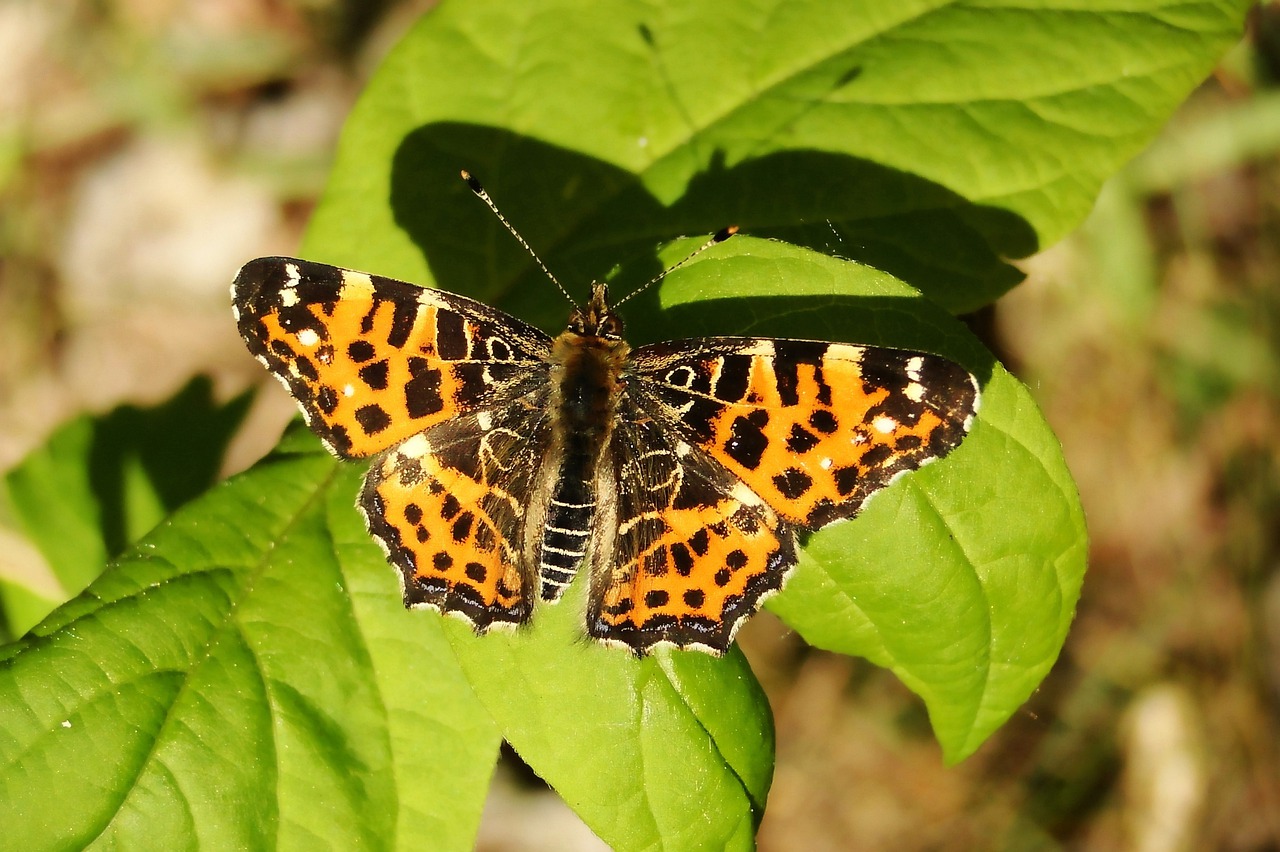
(587,362)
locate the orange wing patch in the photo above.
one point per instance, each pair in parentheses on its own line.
(451,554)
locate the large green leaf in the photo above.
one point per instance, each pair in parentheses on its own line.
(932,140)
(243,679)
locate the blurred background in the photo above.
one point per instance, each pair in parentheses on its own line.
(149,147)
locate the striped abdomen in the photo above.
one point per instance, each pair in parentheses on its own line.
(587,387)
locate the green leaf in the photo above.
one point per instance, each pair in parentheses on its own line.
(932,140)
(244,678)
(674,751)
(962,577)
(100,482)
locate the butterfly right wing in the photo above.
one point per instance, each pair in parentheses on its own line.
(371,360)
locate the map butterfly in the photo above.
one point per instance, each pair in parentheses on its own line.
(506,461)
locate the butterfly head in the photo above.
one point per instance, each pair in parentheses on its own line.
(597,319)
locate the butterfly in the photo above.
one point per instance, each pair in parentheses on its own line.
(505,461)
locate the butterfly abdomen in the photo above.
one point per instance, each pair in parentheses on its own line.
(586,382)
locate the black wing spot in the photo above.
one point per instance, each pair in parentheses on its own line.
(876,456)
(306,368)
(451,336)
(801,440)
(680,377)
(682,558)
(422,391)
(735,376)
(824,421)
(375,375)
(792,483)
(462,526)
(656,598)
(360,351)
(327,400)
(699,542)
(498,349)
(372,419)
(403,316)
(747,443)
(846,479)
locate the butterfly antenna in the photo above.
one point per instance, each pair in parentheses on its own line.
(479,190)
(719,237)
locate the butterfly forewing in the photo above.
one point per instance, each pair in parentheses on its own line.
(372,361)
(813,428)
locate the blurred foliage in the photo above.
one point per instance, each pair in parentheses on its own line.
(99,483)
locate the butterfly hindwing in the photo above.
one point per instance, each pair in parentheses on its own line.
(451,508)
(372,361)
(813,428)
(685,552)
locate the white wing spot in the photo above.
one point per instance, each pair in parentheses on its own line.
(416,447)
(289,296)
(884,425)
(308,337)
(914,392)
(291,270)
(744,495)
(913,368)
(348,390)
(825,464)
(430,299)
(354,284)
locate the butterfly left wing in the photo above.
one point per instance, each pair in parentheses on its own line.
(813,428)
(445,389)
(683,552)
(371,360)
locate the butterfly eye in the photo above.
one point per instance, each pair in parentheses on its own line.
(610,326)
